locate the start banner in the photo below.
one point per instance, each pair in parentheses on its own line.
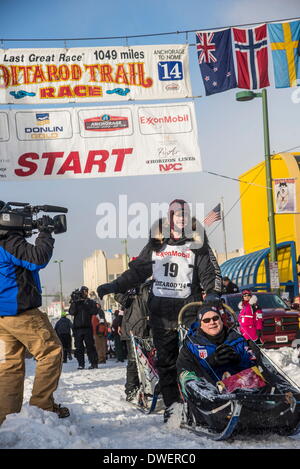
(94,74)
(98,142)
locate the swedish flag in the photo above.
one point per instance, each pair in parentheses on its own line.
(284,39)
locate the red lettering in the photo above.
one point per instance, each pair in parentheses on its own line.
(23,161)
(121,152)
(4,75)
(91,69)
(64,72)
(51,160)
(64,91)
(47,93)
(72,163)
(52,73)
(106,73)
(76,72)
(101,163)
(80,90)
(95,90)
(121,76)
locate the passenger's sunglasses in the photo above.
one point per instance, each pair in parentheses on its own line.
(246,294)
(214,319)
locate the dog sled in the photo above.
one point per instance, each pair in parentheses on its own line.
(216,413)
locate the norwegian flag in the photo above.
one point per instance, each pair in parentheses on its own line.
(213,215)
(252,57)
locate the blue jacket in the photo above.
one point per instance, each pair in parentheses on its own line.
(196,348)
(20,262)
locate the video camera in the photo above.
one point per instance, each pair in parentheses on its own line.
(23,218)
(76,295)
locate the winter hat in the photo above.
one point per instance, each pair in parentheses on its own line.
(176,205)
(246,292)
(84,288)
(101,320)
(205,309)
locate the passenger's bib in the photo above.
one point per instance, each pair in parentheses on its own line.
(173,271)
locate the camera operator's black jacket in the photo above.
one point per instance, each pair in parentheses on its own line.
(83,310)
(205,273)
(20,262)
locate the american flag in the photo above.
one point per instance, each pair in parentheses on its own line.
(213,215)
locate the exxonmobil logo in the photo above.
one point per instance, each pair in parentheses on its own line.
(170,167)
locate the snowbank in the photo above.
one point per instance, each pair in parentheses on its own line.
(101,418)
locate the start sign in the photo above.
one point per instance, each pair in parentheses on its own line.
(98,142)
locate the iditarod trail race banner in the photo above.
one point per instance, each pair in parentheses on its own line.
(94,74)
(98,142)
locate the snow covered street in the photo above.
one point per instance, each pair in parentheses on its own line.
(101,418)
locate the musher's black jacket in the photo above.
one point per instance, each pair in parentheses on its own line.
(206,274)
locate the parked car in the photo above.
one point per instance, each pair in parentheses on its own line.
(280,323)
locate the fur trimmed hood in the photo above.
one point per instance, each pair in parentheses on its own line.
(252,301)
(161,232)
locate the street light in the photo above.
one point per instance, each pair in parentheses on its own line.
(60,280)
(248,96)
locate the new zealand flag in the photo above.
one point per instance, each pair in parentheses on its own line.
(216,60)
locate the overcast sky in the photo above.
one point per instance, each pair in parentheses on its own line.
(230,133)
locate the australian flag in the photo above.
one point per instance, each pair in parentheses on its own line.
(215,59)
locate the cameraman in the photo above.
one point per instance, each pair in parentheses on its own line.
(83,308)
(23,326)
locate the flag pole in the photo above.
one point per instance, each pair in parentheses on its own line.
(223,224)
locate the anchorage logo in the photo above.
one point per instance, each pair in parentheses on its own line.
(106,123)
(42,119)
(170,167)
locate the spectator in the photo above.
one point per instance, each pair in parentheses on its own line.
(250,317)
(83,308)
(229,286)
(100,338)
(63,329)
(116,333)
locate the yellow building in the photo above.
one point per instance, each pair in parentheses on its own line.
(255,215)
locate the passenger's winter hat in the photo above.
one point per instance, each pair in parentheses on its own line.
(101,320)
(226,278)
(176,205)
(83,288)
(207,308)
(246,292)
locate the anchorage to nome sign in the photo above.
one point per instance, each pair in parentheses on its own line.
(94,74)
(98,142)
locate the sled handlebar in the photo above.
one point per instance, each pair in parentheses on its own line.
(199,303)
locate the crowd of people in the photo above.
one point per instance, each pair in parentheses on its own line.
(176,267)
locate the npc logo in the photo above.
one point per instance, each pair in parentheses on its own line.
(203,354)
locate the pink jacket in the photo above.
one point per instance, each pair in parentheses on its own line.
(250,318)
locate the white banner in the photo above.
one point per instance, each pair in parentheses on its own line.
(98,142)
(94,74)
(285,195)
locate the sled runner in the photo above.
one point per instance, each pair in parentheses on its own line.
(148,395)
(261,399)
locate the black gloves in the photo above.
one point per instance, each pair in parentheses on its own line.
(223,355)
(212,299)
(105,289)
(45,224)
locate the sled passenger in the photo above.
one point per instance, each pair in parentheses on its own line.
(250,317)
(210,350)
(181,262)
